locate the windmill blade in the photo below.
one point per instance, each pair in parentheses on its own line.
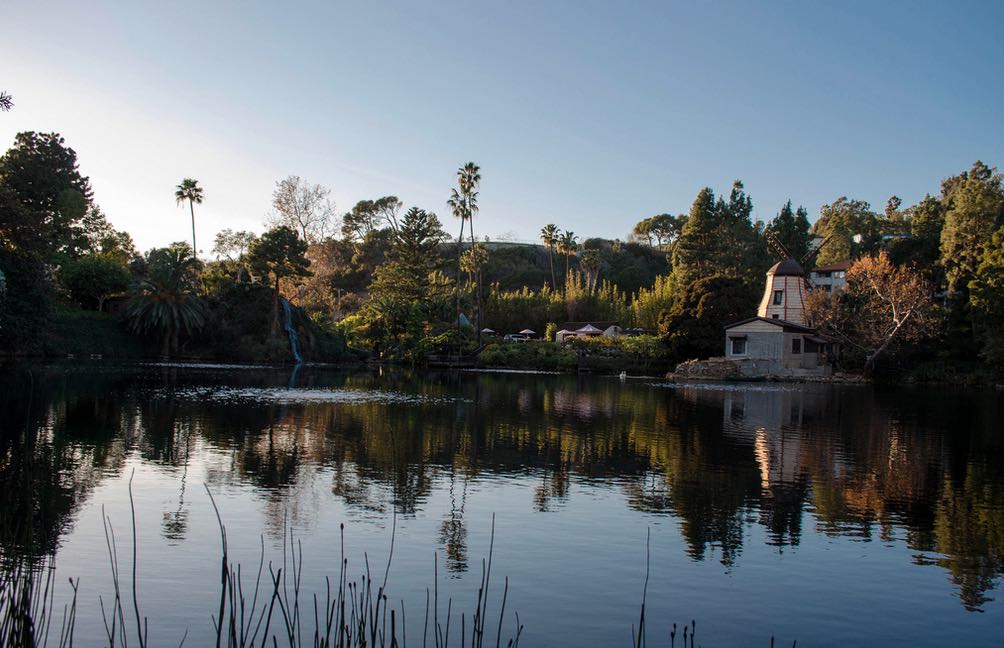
(814,252)
(777,247)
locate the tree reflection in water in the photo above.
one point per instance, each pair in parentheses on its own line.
(920,466)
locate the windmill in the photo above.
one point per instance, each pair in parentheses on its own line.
(787,285)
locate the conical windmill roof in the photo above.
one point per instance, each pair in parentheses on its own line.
(787,268)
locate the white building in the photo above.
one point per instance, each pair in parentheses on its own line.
(832,277)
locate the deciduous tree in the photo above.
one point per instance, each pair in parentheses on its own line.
(92,278)
(883,305)
(303,207)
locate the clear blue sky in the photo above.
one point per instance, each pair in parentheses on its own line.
(591,115)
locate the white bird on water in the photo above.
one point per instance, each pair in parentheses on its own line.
(623,375)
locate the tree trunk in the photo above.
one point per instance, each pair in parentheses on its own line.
(550,257)
(460,248)
(275,309)
(195,250)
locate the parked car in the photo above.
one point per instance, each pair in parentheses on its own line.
(515,337)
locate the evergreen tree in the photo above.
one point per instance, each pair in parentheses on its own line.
(791,228)
(700,245)
(987,299)
(279,253)
(974,209)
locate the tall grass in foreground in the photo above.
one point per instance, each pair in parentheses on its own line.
(27,605)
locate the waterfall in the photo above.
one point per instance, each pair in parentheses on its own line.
(294,339)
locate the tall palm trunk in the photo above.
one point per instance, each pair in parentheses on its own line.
(460,270)
(550,257)
(191,209)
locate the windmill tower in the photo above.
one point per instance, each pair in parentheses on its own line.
(787,285)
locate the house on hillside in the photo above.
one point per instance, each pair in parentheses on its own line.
(832,277)
(571,330)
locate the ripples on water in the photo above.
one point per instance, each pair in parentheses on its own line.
(834,515)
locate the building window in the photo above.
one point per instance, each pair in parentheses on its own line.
(839,274)
(796,345)
(778,297)
(775,316)
(738,345)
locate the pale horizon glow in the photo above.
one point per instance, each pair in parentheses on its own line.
(587,115)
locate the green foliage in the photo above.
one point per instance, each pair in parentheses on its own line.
(606,302)
(26,300)
(85,333)
(922,248)
(974,209)
(791,228)
(649,303)
(851,227)
(541,356)
(279,253)
(369,216)
(719,239)
(695,325)
(987,300)
(661,232)
(42,175)
(637,353)
(164,303)
(92,278)
(509,311)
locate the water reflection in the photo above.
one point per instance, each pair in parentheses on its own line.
(920,467)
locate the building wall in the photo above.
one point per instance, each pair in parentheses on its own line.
(835,282)
(792,306)
(765,341)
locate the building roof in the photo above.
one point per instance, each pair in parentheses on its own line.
(788,327)
(787,268)
(575,326)
(839,265)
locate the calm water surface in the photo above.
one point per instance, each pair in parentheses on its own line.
(833,515)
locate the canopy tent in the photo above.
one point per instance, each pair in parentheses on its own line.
(488,331)
(527,332)
(589,329)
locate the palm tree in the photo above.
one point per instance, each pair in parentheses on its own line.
(189,190)
(463,203)
(164,302)
(568,244)
(549,235)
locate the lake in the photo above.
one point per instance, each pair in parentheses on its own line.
(834,515)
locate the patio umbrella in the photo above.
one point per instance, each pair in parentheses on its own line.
(527,332)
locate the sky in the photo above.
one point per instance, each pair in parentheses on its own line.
(589,115)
